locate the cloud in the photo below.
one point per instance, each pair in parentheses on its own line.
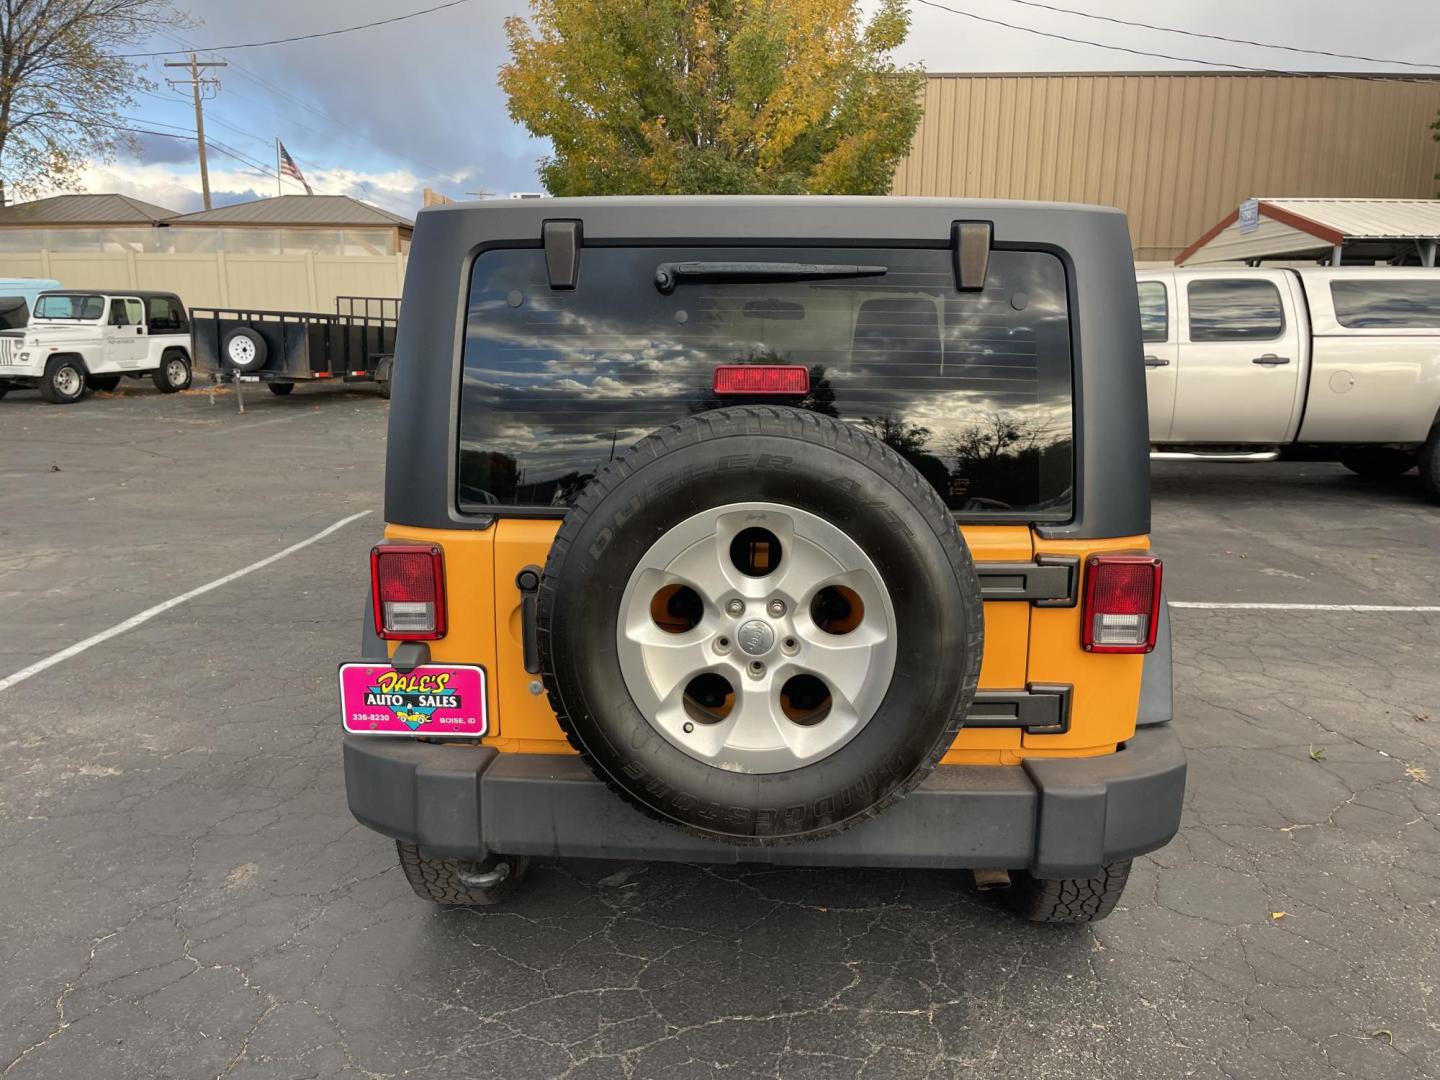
(416,103)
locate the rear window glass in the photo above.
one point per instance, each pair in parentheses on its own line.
(973,389)
(1154,312)
(1393,303)
(1235,310)
(165,315)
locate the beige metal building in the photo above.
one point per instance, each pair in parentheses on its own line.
(1175,151)
(291,253)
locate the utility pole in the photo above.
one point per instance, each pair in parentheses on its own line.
(197,85)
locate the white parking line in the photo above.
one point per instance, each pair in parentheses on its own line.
(1198,605)
(159,609)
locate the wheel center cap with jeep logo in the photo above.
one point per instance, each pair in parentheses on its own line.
(756,637)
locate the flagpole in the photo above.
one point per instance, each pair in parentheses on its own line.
(279,190)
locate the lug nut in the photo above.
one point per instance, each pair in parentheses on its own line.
(722,645)
(777,607)
(789,646)
(736,606)
(756,668)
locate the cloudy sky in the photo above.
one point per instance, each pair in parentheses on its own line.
(382,113)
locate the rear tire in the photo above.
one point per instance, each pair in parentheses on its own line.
(280,389)
(1429,462)
(383,371)
(1378,462)
(441,881)
(1067,900)
(103,383)
(173,374)
(64,380)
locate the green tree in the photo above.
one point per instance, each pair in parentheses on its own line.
(713,96)
(61,86)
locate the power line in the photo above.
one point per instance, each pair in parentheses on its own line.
(1147,52)
(271,88)
(228,151)
(309,37)
(1219,37)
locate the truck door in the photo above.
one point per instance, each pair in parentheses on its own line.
(1240,359)
(1159,329)
(126,345)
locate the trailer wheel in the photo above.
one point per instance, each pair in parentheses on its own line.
(383,371)
(280,389)
(173,374)
(244,349)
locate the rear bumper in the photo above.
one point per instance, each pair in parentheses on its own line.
(1057,817)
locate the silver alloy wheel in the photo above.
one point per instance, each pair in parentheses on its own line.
(175,372)
(68,381)
(241,350)
(756,653)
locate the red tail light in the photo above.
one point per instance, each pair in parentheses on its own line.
(408,584)
(1122,603)
(762,379)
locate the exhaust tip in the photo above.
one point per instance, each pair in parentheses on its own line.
(987,879)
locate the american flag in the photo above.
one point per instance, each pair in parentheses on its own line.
(290,169)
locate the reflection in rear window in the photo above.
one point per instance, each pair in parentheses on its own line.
(1392,303)
(973,389)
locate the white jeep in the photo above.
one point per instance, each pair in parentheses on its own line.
(80,340)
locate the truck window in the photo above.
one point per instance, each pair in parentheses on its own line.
(118,316)
(134,313)
(1392,303)
(1235,309)
(69,306)
(1154,312)
(14,313)
(973,389)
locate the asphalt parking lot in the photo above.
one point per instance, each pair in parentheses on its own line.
(186,895)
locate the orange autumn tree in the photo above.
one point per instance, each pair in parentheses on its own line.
(713,96)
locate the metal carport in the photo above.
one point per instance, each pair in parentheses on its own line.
(1336,231)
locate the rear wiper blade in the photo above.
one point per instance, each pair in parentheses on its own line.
(668,275)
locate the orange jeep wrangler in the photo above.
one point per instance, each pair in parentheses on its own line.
(802,531)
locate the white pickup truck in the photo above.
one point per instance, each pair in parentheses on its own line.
(1326,363)
(80,340)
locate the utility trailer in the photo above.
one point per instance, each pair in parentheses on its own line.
(281,348)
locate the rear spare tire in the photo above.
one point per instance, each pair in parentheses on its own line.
(761,625)
(244,349)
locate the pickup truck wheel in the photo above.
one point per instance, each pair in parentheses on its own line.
(765,664)
(461,883)
(103,383)
(64,380)
(1378,462)
(1067,900)
(280,389)
(173,374)
(1429,462)
(244,349)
